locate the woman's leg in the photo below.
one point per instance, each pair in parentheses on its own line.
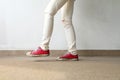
(67,13)
(50,11)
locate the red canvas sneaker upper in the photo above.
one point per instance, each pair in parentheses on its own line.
(69,56)
(39,51)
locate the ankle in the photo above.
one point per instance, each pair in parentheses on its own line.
(44,48)
(73,53)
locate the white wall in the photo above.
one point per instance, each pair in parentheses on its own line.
(96,24)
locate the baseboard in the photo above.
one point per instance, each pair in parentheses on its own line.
(60,52)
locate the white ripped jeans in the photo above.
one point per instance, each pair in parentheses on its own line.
(66,7)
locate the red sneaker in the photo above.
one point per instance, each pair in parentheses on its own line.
(38,53)
(68,56)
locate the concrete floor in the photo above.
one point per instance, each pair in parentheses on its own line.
(47,68)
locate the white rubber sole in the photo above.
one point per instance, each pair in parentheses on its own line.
(65,59)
